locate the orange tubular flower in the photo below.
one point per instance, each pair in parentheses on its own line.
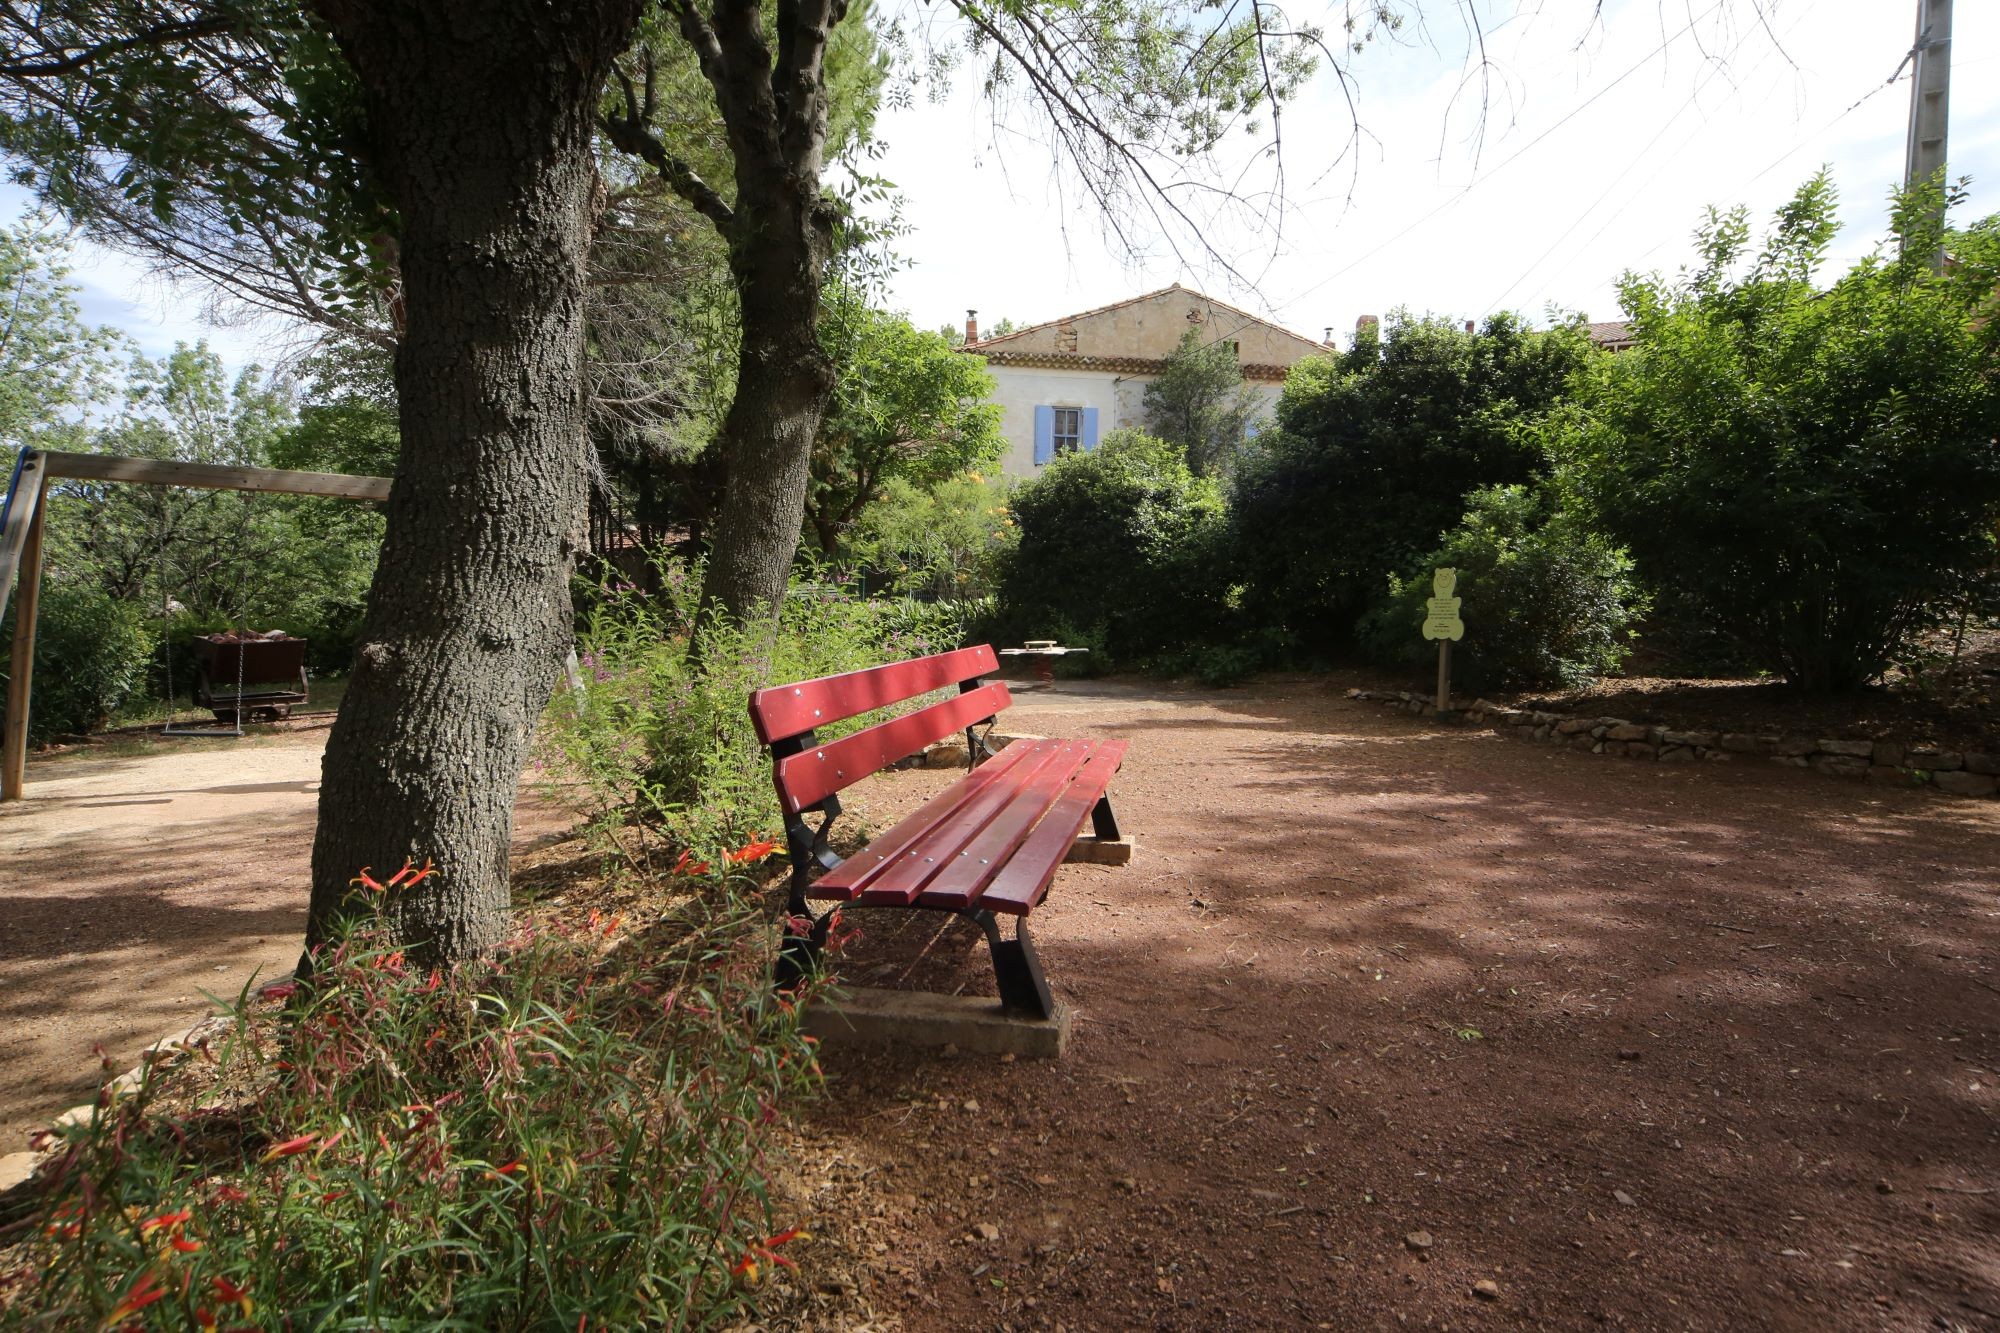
(755,850)
(143,1293)
(289,1148)
(766,1249)
(229,1292)
(167,1222)
(368,881)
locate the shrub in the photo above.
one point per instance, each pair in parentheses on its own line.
(1375,454)
(1214,665)
(91,655)
(569,1134)
(1814,468)
(911,626)
(940,540)
(1545,601)
(662,727)
(1118,552)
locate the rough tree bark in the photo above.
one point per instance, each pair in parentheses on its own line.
(780,233)
(480,116)
(783,381)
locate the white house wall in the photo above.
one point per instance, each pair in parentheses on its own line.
(1119,400)
(1021,389)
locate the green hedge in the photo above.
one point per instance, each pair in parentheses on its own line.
(91,655)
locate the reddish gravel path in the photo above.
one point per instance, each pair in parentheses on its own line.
(1656,1046)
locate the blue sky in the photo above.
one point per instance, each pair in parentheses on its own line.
(1602,144)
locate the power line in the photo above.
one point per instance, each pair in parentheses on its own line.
(1894,78)
(1474,184)
(1568,231)
(1631,165)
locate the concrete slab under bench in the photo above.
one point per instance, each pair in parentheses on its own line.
(863,1017)
(1088,850)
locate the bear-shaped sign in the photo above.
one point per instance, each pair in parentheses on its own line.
(1441,612)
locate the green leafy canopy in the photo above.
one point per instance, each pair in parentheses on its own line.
(1815,467)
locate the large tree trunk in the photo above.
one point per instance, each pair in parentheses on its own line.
(783,380)
(480,115)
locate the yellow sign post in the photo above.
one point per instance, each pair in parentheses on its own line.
(1441,622)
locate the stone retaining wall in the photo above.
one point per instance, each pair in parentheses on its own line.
(1961,774)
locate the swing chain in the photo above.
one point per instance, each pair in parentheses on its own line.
(168,728)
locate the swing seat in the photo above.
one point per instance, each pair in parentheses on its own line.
(236,675)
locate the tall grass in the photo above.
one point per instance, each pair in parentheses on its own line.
(660,732)
(569,1135)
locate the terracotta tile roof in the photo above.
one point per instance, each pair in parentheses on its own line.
(985,343)
(1612,333)
(1119,365)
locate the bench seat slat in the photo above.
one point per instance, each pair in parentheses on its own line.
(1026,876)
(790,710)
(911,873)
(812,775)
(856,871)
(965,876)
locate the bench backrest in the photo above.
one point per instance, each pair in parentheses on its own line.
(811,773)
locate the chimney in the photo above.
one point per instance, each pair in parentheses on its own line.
(972,326)
(1328,338)
(1470,327)
(1366,324)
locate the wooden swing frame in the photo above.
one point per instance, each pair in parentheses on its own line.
(21,548)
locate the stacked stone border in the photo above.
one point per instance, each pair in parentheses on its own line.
(16,1168)
(1957,773)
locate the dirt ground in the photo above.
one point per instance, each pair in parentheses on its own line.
(1378,1012)
(1642,1045)
(138,876)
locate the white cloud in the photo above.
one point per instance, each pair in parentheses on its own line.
(118,291)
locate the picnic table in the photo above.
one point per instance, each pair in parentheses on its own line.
(1044,653)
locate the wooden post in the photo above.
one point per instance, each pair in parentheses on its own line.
(1444,674)
(20,683)
(21,549)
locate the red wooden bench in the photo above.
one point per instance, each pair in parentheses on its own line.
(985,847)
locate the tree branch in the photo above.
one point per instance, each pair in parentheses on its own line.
(631,131)
(51,66)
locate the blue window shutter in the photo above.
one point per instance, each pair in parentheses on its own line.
(1089,440)
(1045,434)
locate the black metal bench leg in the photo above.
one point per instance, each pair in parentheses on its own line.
(799,955)
(1017,968)
(1102,822)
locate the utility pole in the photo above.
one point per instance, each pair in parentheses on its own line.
(1930,101)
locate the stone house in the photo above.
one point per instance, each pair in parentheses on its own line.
(1066,384)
